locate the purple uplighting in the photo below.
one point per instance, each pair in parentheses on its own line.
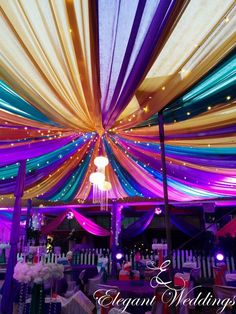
(220,257)
(119,256)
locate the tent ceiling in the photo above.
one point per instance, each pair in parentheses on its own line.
(81,78)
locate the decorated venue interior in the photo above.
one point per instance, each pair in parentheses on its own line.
(117,156)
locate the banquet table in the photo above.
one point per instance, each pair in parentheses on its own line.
(231,279)
(133,288)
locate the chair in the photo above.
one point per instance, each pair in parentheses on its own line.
(84,302)
(118,267)
(101,290)
(219,276)
(78,303)
(72,289)
(117,311)
(182,280)
(81,276)
(124,275)
(92,284)
(159,307)
(224,292)
(195,273)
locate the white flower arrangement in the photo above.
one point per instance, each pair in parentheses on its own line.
(37,273)
(5,246)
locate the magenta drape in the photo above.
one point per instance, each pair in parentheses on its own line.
(228,229)
(90,226)
(84,222)
(55,223)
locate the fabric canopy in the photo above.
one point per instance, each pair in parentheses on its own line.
(83,78)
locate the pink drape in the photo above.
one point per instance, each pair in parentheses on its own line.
(55,223)
(90,226)
(84,222)
(229,228)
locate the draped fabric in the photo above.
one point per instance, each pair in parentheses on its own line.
(185,227)
(53,225)
(84,222)
(81,78)
(90,226)
(5,231)
(228,229)
(139,226)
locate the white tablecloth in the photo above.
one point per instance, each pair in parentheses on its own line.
(77,304)
(230,277)
(190,264)
(159,246)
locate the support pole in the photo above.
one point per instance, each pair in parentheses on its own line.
(29,207)
(115,231)
(8,288)
(165,186)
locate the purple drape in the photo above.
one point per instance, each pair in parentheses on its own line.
(144,22)
(142,224)
(7,296)
(84,222)
(138,226)
(184,226)
(31,150)
(5,231)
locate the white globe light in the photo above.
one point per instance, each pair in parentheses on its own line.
(70,215)
(97,177)
(104,186)
(101,161)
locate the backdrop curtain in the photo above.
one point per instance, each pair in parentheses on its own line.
(184,226)
(139,226)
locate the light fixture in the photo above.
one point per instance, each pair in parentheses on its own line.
(96,178)
(220,257)
(101,161)
(104,186)
(158,211)
(100,185)
(119,256)
(70,216)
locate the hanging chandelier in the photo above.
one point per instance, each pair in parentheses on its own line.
(101,187)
